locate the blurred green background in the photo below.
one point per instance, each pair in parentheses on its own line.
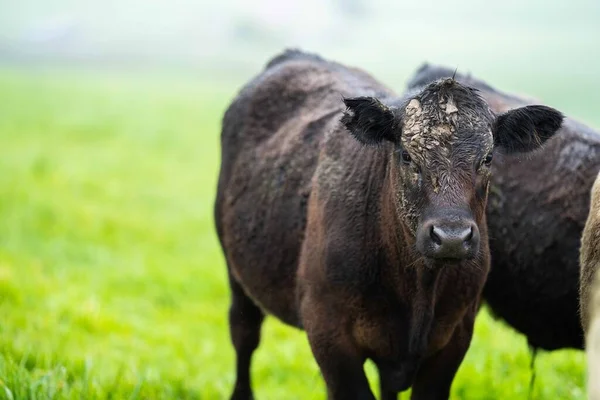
(112,284)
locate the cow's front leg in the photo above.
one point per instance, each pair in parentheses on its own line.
(337,355)
(434,377)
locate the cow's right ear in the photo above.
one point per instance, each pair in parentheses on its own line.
(369,120)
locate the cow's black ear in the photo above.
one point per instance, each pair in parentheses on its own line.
(369,120)
(526,128)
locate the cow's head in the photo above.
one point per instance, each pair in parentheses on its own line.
(443,144)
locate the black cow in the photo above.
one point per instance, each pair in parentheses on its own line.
(362,219)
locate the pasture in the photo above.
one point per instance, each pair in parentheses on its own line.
(112,283)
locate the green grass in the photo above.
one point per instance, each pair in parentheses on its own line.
(112,284)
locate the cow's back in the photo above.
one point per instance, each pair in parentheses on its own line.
(270,142)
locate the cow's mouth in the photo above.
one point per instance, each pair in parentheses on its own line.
(443,262)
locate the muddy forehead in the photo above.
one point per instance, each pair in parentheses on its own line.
(439,125)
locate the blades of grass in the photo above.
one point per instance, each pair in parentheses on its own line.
(114,387)
(7,391)
(87,376)
(137,389)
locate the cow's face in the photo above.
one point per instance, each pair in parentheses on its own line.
(444,138)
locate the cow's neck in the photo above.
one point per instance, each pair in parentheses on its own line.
(414,283)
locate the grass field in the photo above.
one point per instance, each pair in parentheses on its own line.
(112,284)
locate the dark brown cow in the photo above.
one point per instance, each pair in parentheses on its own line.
(369,233)
(536,212)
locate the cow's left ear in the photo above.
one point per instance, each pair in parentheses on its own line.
(527,128)
(369,120)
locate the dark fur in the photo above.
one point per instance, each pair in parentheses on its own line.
(536,212)
(314,230)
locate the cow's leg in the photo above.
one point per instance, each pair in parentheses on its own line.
(434,377)
(245,320)
(389,395)
(342,369)
(336,354)
(386,392)
(395,377)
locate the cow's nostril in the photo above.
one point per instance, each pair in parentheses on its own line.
(469,235)
(435,237)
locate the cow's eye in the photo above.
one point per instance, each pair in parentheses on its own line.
(488,159)
(406,159)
